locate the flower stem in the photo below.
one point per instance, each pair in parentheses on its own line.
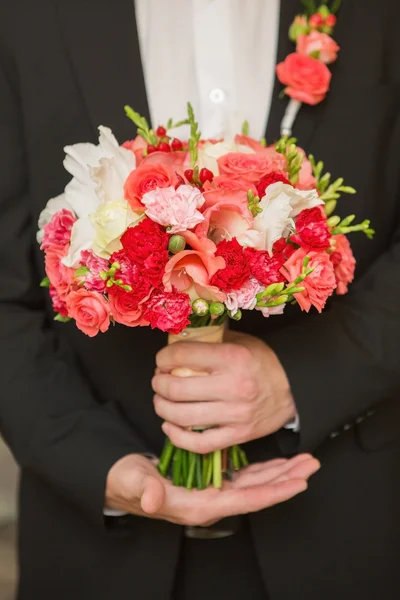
(199,475)
(185,466)
(165,458)
(243,457)
(235,458)
(192,467)
(217,468)
(206,461)
(176,467)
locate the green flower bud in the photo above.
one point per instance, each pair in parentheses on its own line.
(333,221)
(298,27)
(237,316)
(217,308)
(200,307)
(176,243)
(330,207)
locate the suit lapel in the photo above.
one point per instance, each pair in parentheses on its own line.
(102,41)
(308,116)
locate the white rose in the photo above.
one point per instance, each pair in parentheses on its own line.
(109,222)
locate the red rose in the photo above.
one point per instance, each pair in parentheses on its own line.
(237,269)
(312,231)
(269,179)
(307,79)
(265,268)
(168,311)
(343,262)
(145,178)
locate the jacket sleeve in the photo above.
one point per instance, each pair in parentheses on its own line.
(342,363)
(48,414)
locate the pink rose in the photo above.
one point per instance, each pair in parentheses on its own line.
(90,311)
(223,182)
(251,167)
(319,285)
(245,297)
(58,230)
(226,214)
(344,263)
(245,140)
(95,264)
(60,276)
(306,179)
(138,145)
(307,79)
(190,271)
(319,45)
(175,209)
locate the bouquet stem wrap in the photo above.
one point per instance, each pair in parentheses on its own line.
(188,468)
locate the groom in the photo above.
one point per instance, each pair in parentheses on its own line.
(78,413)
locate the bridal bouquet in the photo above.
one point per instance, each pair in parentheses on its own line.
(181,235)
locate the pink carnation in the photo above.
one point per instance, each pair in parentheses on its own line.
(319,285)
(95,264)
(344,263)
(168,311)
(59,305)
(175,209)
(90,311)
(245,297)
(318,44)
(58,229)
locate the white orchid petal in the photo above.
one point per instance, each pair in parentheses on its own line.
(82,236)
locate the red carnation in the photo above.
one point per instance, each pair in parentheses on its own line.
(146,245)
(312,231)
(237,269)
(269,179)
(168,311)
(265,268)
(283,249)
(133,275)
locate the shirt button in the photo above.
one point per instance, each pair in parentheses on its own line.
(217,95)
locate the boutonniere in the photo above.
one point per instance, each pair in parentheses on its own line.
(305,73)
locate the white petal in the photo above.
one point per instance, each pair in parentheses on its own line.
(82,197)
(300,200)
(82,236)
(273,222)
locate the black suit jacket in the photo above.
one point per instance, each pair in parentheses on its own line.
(71,406)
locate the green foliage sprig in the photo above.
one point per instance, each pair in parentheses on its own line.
(142,125)
(195,135)
(294,158)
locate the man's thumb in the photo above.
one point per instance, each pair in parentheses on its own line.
(153,495)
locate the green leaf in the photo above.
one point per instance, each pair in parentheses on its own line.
(315,54)
(61,319)
(45,283)
(245,128)
(169,124)
(263,142)
(81,271)
(335,6)
(137,119)
(310,6)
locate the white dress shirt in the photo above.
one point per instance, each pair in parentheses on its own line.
(218,54)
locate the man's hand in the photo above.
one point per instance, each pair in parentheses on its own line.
(135,486)
(246,395)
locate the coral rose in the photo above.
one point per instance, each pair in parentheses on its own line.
(190,271)
(90,311)
(307,79)
(319,285)
(145,178)
(125,307)
(319,45)
(226,214)
(251,167)
(344,263)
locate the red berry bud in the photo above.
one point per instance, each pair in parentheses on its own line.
(164,147)
(176,144)
(151,149)
(206,175)
(330,21)
(161,131)
(316,21)
(189,174)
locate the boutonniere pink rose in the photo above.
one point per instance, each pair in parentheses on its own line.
(306,79)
